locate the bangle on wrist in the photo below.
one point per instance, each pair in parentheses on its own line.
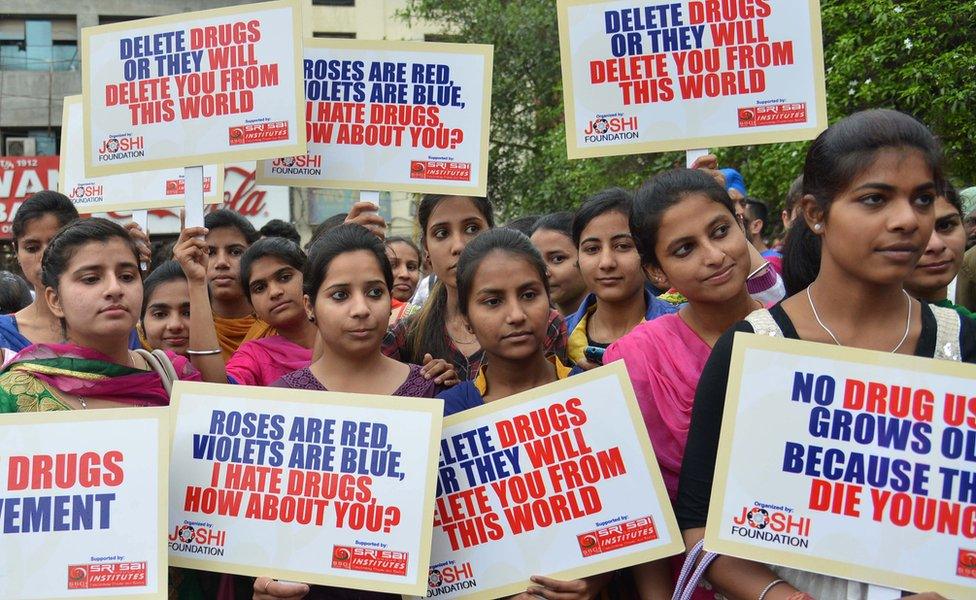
(204,352)
(772,584)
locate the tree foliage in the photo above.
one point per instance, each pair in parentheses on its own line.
(918,56)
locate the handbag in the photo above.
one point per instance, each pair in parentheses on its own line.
(159,362)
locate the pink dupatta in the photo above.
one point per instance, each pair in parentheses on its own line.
(262,361)
(81,371)
(664,358)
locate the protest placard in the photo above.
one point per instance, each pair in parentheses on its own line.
(199,88)
(318,487)
(399,116)
(651,75)
(848,463)
(83,504)
(131,191)
(558,481)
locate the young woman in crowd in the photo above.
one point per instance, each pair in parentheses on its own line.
(870,184)
(347,287)
(404,258)
(347,297)
(93,288)
(689,239)
(271,274)
(943,255)
(503,296)
(228,236)
(36,222)
(166,309)
(448,223)
(619,297)
(553,236)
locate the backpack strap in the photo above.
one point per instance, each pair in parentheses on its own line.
(159,362)
(947,334)
(763,323)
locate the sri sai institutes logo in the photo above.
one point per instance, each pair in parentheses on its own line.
(772,523)
(121,146)
(966,563)
(107,574)
(611,128)
(448,577)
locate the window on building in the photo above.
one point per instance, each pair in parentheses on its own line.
(442,37)
(334,34)
(29,142)
(333,2)
(38,44)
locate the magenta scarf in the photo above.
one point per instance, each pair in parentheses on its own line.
(664,358)
(84,372)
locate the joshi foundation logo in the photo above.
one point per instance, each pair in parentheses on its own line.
(87,193)
(449,577)
(611,128)
(121,146)
(772,523)
(308,164)
(194,537)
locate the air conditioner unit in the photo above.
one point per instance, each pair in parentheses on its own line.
(20,146)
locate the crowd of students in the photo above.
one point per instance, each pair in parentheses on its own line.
(661,278)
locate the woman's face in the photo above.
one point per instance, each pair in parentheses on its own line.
(557,249)
(453,223)
(701,250)
(30,247)
(99,294)
(166,322)
(878,228)
(226,246)
(508,308)
(943,255)
(276,292)
(352,306)
(608,259)
(406,269)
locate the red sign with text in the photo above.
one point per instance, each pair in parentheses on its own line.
(622,535)
(371,560)
(106,575)
(21,176)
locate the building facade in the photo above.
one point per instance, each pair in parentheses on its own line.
(40,64)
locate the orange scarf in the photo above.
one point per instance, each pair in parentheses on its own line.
(231,333)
